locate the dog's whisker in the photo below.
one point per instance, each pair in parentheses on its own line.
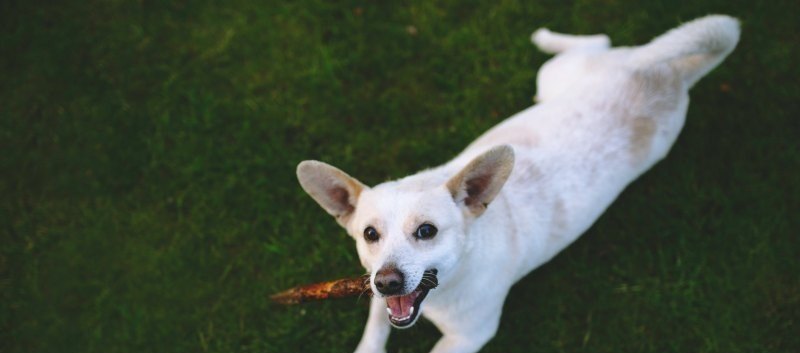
(362,294)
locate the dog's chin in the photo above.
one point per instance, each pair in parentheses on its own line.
(404,310)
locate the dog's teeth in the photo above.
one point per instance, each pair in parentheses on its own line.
(411,311)
(389,310)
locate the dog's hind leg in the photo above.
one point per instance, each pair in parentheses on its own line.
(575,57)
(554,43)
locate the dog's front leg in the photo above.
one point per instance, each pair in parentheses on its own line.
(468,333)
(377,330)
(465,343)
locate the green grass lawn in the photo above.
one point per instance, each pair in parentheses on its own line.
(149,201)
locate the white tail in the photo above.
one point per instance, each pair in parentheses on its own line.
(694,48)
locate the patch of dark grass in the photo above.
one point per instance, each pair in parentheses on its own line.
(150,203)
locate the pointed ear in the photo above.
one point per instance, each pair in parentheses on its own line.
(332,188)
(475,186)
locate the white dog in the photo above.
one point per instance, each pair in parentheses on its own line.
(525,189)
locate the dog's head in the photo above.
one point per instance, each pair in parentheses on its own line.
(410,233)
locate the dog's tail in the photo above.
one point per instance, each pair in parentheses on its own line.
(694,48)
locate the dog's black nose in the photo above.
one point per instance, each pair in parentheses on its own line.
(389,281)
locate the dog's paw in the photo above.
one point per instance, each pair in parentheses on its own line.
(540,36)
(364,349)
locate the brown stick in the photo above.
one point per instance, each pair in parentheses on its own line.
(341,288)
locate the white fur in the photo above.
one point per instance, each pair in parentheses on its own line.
(606,116)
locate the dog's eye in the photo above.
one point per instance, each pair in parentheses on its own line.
(371,235)
(425,231)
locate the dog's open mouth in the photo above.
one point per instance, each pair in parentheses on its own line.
(404,309)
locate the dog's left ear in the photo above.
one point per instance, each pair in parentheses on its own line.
(475,186)
(332,188)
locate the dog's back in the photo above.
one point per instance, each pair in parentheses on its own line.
(605,116)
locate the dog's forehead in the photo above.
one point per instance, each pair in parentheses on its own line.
(394,203)
(392,197)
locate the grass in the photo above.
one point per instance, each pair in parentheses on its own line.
(149,201)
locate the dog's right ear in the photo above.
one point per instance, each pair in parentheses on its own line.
(332,188)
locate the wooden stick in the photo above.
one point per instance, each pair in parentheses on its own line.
(340,288)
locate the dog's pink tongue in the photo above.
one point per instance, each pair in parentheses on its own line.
(401,305)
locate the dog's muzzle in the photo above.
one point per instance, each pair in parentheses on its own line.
(404,309)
